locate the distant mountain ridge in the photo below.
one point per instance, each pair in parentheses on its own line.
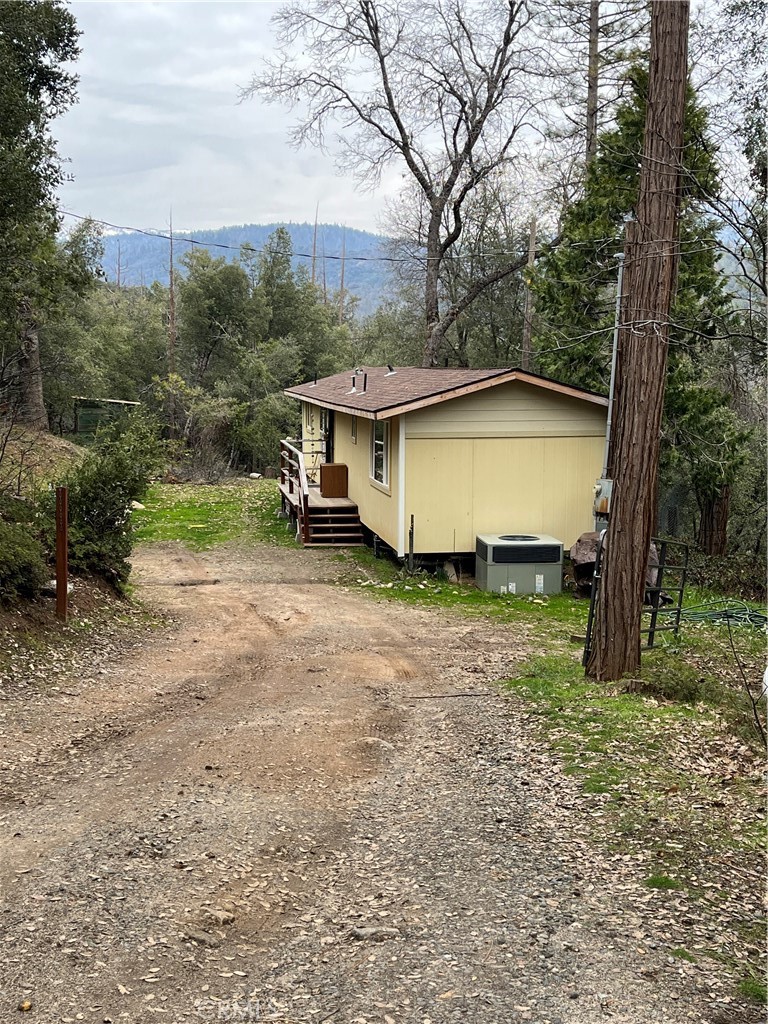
(144,258)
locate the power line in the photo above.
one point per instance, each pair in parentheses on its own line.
(277,252)
(419,259)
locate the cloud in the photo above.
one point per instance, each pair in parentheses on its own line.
(158,124)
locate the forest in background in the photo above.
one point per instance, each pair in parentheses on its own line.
(247,327)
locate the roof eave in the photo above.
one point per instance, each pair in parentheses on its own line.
(351,410)
(445,396)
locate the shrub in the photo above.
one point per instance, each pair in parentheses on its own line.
(116,471)
(672,679)
(739,575)
(14,509)
(23,569)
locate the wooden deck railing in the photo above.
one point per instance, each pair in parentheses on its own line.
(313,450)
(293,476)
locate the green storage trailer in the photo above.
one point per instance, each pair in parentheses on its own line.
(91,413)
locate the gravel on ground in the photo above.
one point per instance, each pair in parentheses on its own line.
(293,803)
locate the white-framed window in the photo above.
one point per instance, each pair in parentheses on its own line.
(380,452)
(354,430)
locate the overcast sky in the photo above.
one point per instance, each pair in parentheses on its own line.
(158,124)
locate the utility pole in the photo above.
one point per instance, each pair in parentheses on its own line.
(608,464)
(593,77)
(528,316)
(171,333)
(325,282)
(314,244)
(341,285)
(651,256)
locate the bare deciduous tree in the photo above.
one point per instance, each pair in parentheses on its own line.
(730,72)
(454,92)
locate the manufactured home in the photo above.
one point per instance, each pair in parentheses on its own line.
(428,459)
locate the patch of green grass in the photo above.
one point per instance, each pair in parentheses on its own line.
(683,954)
(662,882)
(384,579)
(653,764)
(754,988)
(600,731)
(202,516)
(696,668)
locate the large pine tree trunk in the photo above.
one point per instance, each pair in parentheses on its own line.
(29,408)
(713,529)
(651,258)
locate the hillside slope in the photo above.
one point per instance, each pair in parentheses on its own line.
(35,458)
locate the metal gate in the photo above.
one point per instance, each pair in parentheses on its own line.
(659,616)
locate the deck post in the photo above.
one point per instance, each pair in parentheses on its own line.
(305,534)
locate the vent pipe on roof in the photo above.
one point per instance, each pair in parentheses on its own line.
(354,389)
(390,370)
(365,382)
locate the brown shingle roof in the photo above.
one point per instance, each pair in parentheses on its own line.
(412,387)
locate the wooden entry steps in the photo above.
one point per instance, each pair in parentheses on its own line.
(334,527)
(330,522)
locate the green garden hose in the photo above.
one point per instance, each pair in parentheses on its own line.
(737,613)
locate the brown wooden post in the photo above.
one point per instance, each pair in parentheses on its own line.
(62,550)
(305,531)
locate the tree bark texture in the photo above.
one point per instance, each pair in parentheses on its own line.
(651,260)
(593,77)
(30,407)
(525,355)
(713,529)
(435,335)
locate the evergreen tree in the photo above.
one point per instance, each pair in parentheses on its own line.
(37,39)
(575,300)
(248,330)
(575,283)
(214,319)
(107,343)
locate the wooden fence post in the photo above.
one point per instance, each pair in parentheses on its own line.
(62,547)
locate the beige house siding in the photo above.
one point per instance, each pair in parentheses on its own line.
(459,487)
(512,458)
(509,410)
(378,507)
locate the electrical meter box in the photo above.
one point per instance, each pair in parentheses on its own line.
(603,494)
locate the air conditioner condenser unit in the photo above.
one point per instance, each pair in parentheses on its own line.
(519,563)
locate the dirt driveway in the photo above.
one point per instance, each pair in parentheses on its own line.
(276,810)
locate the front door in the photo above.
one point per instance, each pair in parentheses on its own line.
(327,425)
